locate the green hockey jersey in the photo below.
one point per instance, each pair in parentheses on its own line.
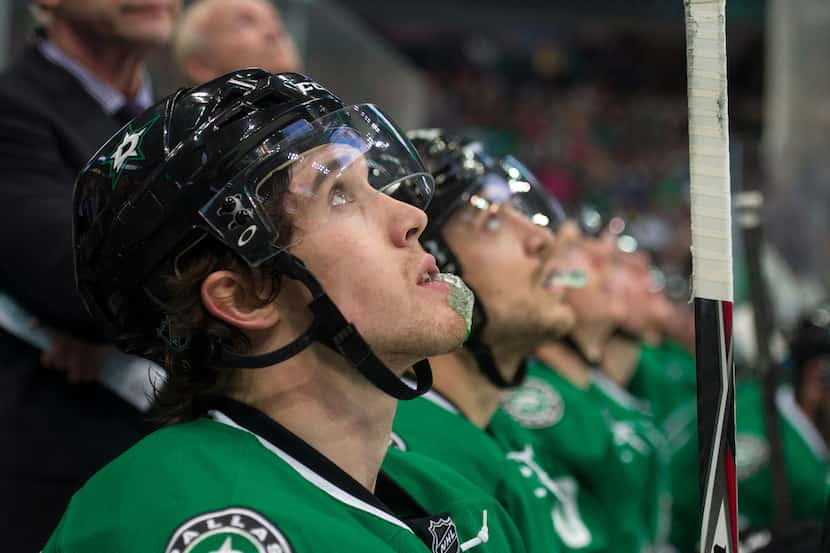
(579,519)
(681,436)
(431,425)
(664,377)
(644,455)
(569,430)
(805,456)
(240,482)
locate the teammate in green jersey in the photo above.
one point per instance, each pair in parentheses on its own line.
(588,434)
(251,234)
(641,358)
(802,409)
(578,516)
(637,432)
(491,222)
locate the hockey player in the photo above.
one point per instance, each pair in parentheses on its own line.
(491,222)
(233,231)
(597,431)
(643,358)
(639,439)
(802,408)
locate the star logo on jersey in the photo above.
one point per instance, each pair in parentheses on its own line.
(227,547)
(234,530)
(444,535)
(129,149)
(751,453)
(534,404)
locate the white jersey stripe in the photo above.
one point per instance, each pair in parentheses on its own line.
(337,493)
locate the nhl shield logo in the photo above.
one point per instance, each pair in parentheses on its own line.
(444,535)
(234,530)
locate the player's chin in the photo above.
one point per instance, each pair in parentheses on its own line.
(441,332)
(550,324)
(563,319)
(446,334)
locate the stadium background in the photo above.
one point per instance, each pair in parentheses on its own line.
(591,95)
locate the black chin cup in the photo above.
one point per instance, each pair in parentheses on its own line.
(484,356)
(569,342)
(448,263)
(331,328)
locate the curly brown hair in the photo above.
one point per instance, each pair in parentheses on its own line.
(189,379)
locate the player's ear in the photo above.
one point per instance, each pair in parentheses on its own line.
(234,299)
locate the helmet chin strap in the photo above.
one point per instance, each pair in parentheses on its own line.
(482,353)
(331,328)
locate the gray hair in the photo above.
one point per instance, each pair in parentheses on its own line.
(188,39)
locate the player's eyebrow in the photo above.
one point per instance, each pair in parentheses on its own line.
(322,173)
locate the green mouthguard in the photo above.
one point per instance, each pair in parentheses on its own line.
(461,298)
(571,279)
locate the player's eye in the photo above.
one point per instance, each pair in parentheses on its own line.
(491,222)
(339,196)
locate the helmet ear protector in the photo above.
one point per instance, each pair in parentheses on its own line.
(194,166)
(466,175)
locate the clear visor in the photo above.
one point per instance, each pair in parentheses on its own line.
(518,188)
(312,174)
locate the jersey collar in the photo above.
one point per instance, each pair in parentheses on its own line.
(437,398)
(313,466)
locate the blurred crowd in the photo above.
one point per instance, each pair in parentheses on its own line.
(621,371)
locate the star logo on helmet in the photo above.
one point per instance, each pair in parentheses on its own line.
(129,149)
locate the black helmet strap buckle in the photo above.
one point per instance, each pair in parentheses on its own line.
(330,328)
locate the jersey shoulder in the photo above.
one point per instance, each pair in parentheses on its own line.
(563,418)
(430,430)
(441,489)
(203,486)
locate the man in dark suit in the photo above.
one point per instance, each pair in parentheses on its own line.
(66,95)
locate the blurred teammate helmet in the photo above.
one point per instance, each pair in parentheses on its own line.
(811,336)
(466,174)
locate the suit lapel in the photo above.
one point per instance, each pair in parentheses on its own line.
(78,117)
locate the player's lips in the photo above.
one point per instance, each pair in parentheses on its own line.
(551,279)
(426,273)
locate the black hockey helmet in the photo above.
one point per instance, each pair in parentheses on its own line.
(467,175)
(811,336)
(194,167)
